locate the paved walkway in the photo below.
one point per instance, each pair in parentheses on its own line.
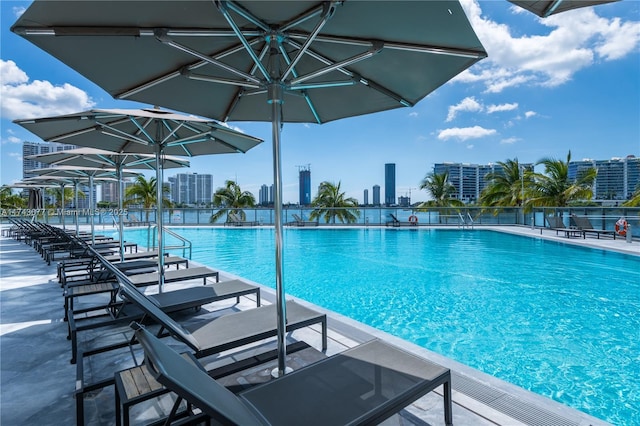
(37,381)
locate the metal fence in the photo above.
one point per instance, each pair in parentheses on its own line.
(600,217)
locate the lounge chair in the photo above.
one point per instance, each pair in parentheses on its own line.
(152,278)
(235,220)
(395,222)
(228,331)
(298,221)
(168,302)
(363,385)
(171,301)
(215,336)
(556,224)
(584,225)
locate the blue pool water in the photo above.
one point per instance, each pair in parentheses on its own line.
(561,321)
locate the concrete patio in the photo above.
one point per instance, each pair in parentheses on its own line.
(37,381)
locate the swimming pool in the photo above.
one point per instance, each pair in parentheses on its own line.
(561,321)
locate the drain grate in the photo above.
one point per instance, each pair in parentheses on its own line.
(515,408)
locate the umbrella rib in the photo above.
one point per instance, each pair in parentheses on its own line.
(162,38)
(327,13)
(222,6)
(353,75)
(551,8)
(396,45)
(377,47)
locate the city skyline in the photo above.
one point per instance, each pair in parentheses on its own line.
(549,86)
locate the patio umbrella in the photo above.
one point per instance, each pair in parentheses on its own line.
(91,157)
(35,199)
(550,7)
(49,181)
(78,174)
(274,61)
(149,131)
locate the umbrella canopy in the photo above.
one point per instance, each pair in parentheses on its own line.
(148,131)
(91,157)
(550,7)
(275,61)
(78,174)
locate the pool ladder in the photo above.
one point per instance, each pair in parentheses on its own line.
(185,246)
(465,222)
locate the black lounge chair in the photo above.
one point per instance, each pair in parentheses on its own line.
(299,221)
(585,226)
(151,278)
(228,331)
(556,224)
(363,385)
(235,220)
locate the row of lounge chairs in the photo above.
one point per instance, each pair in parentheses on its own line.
(579,227)
(363,385)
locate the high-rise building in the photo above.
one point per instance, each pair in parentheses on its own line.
(404,201)
(304,176)
(36,148)
(110,191)
(469,179)
(390,184)
(191,188)
(617,179)
(265,196)
(376,195)
(366,197)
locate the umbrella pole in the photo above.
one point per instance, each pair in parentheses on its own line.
(75,204)
(275,92)
(93,237)
(62,206)
(120,210)
(159,219)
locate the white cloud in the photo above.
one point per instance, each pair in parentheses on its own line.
(465,133)
(467,104)
(470,146)
(570,42)
(413,114)
(502,107)
(22,98)
(530,114)
(509,141)
(12,139)
(18,10)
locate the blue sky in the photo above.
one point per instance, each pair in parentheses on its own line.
(568,82)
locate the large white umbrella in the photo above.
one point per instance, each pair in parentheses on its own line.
(275,61)
(150,131)
(98,158)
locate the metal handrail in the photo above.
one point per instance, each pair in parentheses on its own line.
(186,244)
(470,219)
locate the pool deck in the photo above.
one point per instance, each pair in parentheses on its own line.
(37,381)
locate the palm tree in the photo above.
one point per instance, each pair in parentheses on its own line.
(634,201)
(506,188)
(331,204)
(234,199)
(440,189)
(143,192)
(9,200)
(555,189)
(69,194)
